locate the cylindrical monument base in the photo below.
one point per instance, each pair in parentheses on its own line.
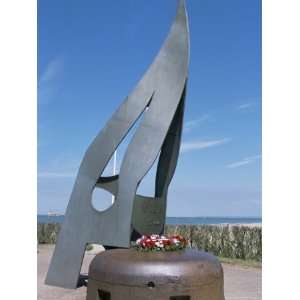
(180,275)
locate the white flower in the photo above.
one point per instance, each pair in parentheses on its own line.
(159,244)
(175,241)
(154,236)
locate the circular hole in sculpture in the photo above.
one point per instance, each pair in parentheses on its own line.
(101,199)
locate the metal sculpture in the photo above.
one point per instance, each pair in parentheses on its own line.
(160,97)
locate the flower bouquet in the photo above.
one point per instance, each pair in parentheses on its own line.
(155,242)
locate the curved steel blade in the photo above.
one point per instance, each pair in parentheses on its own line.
(159,132)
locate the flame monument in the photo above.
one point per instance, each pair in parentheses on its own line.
(159,97)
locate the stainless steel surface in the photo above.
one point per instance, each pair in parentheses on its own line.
(162,90)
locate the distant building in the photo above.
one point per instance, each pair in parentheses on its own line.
(53,214)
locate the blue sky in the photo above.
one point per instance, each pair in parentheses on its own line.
(90,56)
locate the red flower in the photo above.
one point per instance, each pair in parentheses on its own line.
(166,242)
(180,238)
(149,243)
(156,242)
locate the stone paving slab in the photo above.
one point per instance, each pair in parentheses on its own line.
(241,283)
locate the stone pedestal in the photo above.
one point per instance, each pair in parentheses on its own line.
(127,274)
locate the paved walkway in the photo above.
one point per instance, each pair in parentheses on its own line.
(240,283)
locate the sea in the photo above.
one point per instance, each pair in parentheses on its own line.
(176,220)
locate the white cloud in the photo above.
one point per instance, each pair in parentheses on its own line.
(245,106)
(198,145)
(243,162)
(189,125)
(48,80)
(53,68)
(63,165)
(49,175)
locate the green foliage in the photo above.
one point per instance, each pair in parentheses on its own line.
(230,241)
(47,233)
(165,249)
